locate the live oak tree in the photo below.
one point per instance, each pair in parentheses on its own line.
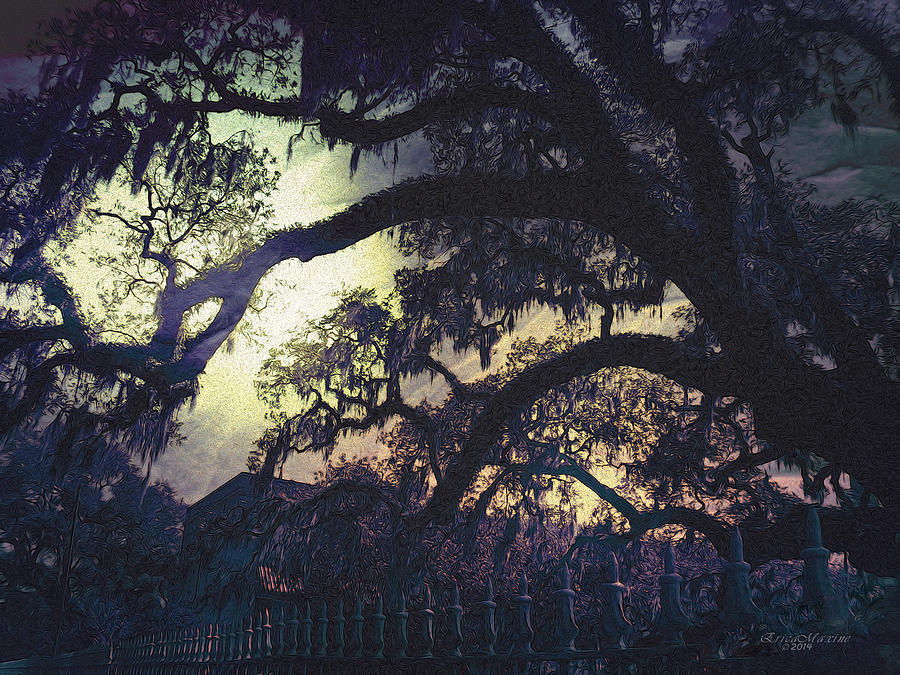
(648,452)
(582,161)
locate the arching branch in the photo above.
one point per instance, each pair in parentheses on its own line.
(653,353)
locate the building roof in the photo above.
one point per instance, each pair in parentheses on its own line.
(242,484)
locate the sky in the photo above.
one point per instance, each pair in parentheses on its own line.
(227,416)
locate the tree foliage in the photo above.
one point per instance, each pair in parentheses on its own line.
(88,551)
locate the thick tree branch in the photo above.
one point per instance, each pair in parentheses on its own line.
(862,533)
(653,353)
(336,125)
(445,197)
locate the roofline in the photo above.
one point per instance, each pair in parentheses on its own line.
(225,487)
(231,484)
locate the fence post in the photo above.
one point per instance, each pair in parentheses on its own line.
(198,645)
(170,645)
(612,594)
(187,644)
(306,630)
(322,630)
(818,591)
(215,643)
(488,627)
(234,640)
(427,622)
(278,631)
(222,643)
(523,632)
(401,624)
(179,638)
(139,651)
(266,630)
(256,622)
(378,620)
(673,620)
(356,627)
(248,639)
(455,611)
(738,607)
(566,628)
(163,646)
(293,627)
(202,645)
(339,622)
(149,649)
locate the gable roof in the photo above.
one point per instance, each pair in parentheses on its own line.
(241,485)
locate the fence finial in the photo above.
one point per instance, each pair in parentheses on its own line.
(523,632)
(427,614)
(614,626)
(673,620)
(306,630)
(738,608)
(566,628)
(737,545)
(322,632)
(378,620)
(278,629)
(818,592)
(488,627)
(356,627)
(292,631)
(401,624)
(455,611)
(813,527)
(339,622)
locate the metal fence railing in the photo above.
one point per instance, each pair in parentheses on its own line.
(291,639)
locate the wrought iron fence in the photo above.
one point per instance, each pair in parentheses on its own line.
(318,638)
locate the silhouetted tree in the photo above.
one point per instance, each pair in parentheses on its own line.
(73,573)
(582,161)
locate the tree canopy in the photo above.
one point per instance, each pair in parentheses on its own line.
(588,157)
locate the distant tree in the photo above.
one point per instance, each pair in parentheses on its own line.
(75,573)
(587,156)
